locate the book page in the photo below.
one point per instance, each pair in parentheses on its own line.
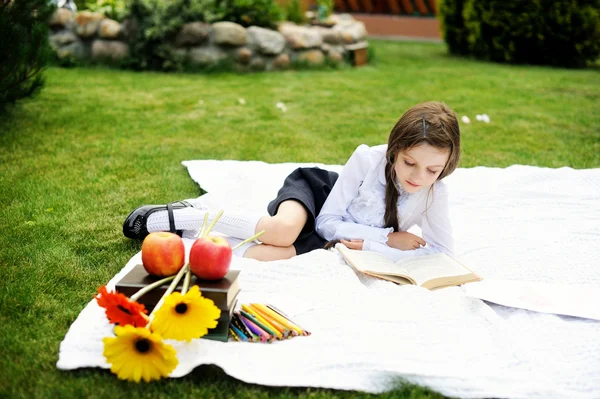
(429,271)
(373,263)
(429,267)
(395,279)
(367,261)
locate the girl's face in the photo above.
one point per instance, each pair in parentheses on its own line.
(420,166)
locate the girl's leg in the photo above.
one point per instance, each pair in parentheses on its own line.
(191,219)
(283,228)
(281,231)
(267,253)
(262,252)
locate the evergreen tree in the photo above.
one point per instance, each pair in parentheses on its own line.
(24,47)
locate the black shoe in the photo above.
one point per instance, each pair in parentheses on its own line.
(135,224)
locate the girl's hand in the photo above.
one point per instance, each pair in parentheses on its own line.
(405,241)
(353,244)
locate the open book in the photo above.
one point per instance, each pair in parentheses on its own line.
(428,271)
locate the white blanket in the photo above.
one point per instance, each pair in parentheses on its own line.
(518,223)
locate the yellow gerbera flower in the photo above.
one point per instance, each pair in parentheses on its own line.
(184,317)
(137,353)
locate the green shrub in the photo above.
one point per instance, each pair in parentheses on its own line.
(82,4)
(113,9)
(24,48)
(265,13)
(550,32)
(324,9)
(158,22)
(453,26)
(294,12)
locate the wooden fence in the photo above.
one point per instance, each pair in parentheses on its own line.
(405,8)
(417,8)
(391,18)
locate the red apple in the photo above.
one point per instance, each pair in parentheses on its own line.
(163,253)
(210,257)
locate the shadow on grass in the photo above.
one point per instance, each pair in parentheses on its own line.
(211,381)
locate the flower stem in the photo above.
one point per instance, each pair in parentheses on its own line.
(254,237)
(205,232)
(186,281)
(150,287)
(168,292)
(203,226)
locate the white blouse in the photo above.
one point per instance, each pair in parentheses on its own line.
(355,208)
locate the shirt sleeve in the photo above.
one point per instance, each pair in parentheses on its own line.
(435,222)
(334,222)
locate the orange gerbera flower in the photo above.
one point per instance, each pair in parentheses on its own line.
(120,310)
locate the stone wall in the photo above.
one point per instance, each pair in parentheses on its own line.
(89,36)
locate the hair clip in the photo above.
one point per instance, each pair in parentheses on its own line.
(424,127)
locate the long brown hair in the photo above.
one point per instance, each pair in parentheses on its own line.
(442,132)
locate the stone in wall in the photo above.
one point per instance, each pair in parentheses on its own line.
(300,37)
(62,18)
(282,61)
(229,34)
(109,29)
(62,38)
(266,41)
(109,50)
(343,19)
(335,49)
(192,34)
(335,57)
(205,56)
(75,50)
(244,55)
(66,44)
(86,23)
(352,32)
(330,36)
(257,64)
(312,57)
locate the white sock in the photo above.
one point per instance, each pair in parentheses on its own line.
(185,219)
(191,234)
(242,249)
(234,225)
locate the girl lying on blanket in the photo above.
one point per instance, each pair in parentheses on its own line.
(381,192)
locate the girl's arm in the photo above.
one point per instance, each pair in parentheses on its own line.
(435,226)
(331,222)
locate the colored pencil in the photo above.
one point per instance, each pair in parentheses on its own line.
(232,333)
(273,308)
(282,320)
(243,328)
(268,330)
(263,335)
(240,334)
(267,326)
(280,327)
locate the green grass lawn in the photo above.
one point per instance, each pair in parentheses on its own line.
(96,143)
